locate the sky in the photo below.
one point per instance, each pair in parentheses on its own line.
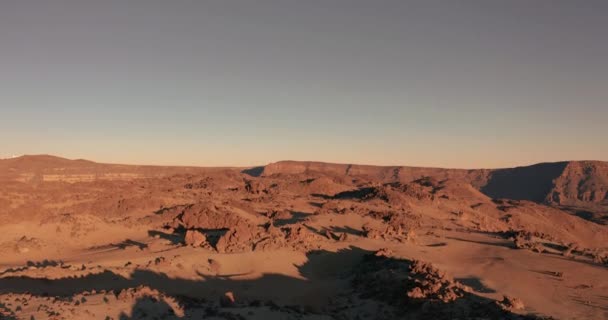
(460,84)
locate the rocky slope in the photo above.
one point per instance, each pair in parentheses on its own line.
(301,241)
(578,186)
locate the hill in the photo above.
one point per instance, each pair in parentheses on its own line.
(561,182)
(301,240)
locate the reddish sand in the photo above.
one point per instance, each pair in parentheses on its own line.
(302,240)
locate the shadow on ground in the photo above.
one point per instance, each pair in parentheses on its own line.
(334,282)
(254,172)
(524,183)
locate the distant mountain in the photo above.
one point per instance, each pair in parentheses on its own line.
(33,162)
(383,173)
(47,168)
(570,183)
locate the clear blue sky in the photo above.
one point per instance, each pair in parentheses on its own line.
(428,83)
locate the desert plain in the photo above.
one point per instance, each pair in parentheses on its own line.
(302,240)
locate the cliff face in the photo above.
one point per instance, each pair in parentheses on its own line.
(298,167)
(581,182)
(382,173)
(571,183)
(532,183)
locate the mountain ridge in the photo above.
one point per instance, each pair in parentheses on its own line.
(564,183)
(578,183)
(58,159)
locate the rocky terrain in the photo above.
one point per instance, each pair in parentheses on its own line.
(302,240)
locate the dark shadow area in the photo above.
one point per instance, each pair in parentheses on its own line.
(149,307)
(334,233)
(435,245)
(120,246)
(594,213)
(505,205)
(44,263)
(175,238)
(321,266)
(503,244)
(477,205)
(178,208)
(254,172)
(130,243)
(587,215)
(6,313)
(362,275)
(179,235)
(295,218)
(36,264)
(524,183)
(359,194)
(314,230)
(428,182)
(418,291)
(213,235)
(554,246)
(476,284)
(316,204)
(347,230)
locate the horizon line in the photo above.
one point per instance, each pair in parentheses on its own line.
(287,160)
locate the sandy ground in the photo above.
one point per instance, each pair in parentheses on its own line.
(226,244)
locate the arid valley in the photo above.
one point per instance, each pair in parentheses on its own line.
(304,160)
(302,240)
